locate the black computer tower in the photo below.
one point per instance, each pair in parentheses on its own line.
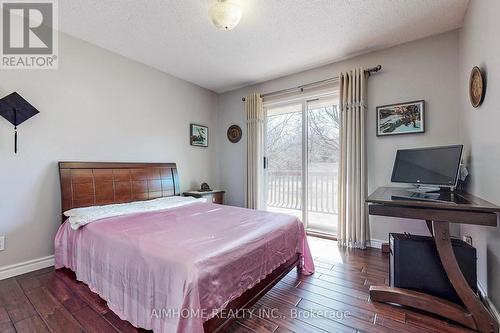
(414,264)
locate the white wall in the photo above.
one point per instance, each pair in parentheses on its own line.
(479,46)
(424,69)
(97,106)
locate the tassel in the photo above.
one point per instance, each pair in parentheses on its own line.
(15,140)
(15,131)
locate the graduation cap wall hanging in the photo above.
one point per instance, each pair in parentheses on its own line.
(16,110)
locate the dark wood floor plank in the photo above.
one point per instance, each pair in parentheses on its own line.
(31,325)
(284,296)
(28,282)
(5,322)
(7,328)
(4,316)
(121,325)
(327,261)
(10,291)
(61,291)
(82,290)
(346,283)
(363,259)
(375,269)
(290,324)
(361,294)
(364,272)
(400,327)
(344,267)
(13,299)
(433,323)
(353,278)
(92,322)
(259,325)
(305,316)
(20,310)
(334,294)
(54,315)
(50,269)
(282,330)
(360,285)
(238,328)
(323,265)
(330,303)
(347,319)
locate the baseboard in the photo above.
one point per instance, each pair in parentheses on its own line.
(376,243)
(26,267)
(487,301)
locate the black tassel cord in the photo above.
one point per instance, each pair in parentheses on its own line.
(15,139)
(15,131)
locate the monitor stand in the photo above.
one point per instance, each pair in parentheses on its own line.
(424,189)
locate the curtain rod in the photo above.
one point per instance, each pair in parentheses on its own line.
(370,71)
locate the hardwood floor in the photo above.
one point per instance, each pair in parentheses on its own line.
(334,299)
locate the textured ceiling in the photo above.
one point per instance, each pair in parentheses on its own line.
(274,37)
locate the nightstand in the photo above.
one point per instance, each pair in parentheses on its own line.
(215,196)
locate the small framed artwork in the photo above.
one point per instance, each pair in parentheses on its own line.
(198,135)
(402,118)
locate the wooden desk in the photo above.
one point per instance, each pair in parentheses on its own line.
(466,208)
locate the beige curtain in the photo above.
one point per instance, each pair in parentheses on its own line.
(353,222)
(255,155)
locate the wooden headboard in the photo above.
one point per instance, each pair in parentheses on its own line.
(85,184)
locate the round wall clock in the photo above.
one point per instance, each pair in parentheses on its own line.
(234,133)
(476,87)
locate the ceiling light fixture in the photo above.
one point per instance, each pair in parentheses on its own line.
(225,15)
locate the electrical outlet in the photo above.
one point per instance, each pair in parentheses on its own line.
(468,239)
(2,243)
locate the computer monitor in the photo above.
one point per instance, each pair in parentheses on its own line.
(434,166)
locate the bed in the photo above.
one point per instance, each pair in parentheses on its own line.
(185,268)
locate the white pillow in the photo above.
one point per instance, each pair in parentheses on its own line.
(81,216)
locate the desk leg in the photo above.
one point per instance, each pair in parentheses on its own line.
(474,315)
(484,320)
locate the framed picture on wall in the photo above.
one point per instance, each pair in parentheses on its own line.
(402,118)
(198,135)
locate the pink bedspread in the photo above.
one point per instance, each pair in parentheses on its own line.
(151,266)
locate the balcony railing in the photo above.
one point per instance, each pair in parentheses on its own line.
(285,190)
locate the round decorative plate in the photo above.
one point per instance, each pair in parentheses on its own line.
(234,133)
(476,87)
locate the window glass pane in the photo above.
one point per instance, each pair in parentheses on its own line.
(323,155)
(284,155)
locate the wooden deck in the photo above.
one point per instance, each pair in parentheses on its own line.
(335,299)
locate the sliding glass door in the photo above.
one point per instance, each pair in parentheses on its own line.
(302,149)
